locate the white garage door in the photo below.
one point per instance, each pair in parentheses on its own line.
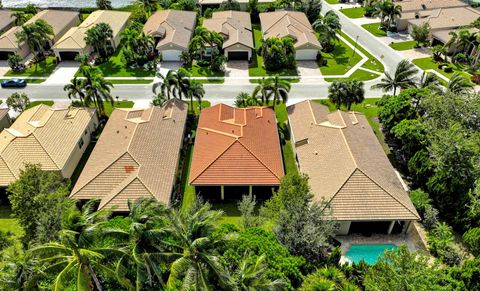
(306,55)
(171,55)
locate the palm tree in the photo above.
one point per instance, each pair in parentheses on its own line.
(195,90)
(263,89)
(429,81)
(148,5)
(165,85)
(244,100)
(20,18)
(438,51)
(74,253)
(141,244)
(193,250)
(452,42)
(337,92)
(328,27)
(251,275)
(356,93)
(388,12)
(99,37)
(104,4)
(96,88)
(272,87)
(36,35)
(346,92)
(404,77)
(180,83)
(75,89)
(459,84)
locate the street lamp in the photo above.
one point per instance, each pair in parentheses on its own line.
(355,47)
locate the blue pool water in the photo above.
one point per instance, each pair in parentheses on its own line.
(368,253)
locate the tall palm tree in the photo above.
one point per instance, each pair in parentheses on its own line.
(272,87)
(74,254)
(388,12)
(195,260)
(337,92)
(36,35)
(141,244)
(99,37)
(429,81)
(180,83)
(328,27)
(20,18)
(459,84)
(165,85)
(251,275)
(452,42)
(75,89)
(263,89)
(148,5)
(195,91)
(404,77)
(104,4)
(356,93)
(96,88)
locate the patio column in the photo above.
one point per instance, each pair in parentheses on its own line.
(250,190)
(222,189)
(390,228)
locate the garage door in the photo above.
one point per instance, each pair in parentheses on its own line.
(306,55)
(4,55)
(237,56)
(171,55)
(68,56)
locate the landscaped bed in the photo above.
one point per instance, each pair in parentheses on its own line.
(357,12)
(404,45)
(42,69)
(256,67)
(374,28)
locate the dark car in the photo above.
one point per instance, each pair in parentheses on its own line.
(14,83)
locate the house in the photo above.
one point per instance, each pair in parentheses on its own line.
(5,120)
(349,170)
(54,138)
(295,25)
(236,29)
(136,156)
(447,19)
(443,37)
(216,3)
(61,21)
(172,30)
(237,151)
(6,20)
(73,42)
(414,9)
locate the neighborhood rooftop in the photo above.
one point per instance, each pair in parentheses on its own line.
(446,18)
(420,5)
(42,135)
(173,27)
(136,156)
(6,19)
(347,165)
(234,25)
(237,146)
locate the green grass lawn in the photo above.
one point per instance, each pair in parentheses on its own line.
(42,69)
(119,81)
(287,149)
(117,104)
(369,108)
(359,74)
(291,80)
(374,28)
(211,81)
(332,1)
(10,224)
(427,63)
(372,63)
(232,214)
(404,45)
(116,67)
(340,60)
(197,71)
(357,12)
(38,102)
(256,67)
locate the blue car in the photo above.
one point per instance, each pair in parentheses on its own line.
(14,83)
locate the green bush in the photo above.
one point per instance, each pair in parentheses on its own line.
(472,239)
(420,199)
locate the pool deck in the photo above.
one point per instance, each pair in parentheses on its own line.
(349,240)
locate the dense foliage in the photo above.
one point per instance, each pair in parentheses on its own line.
(277,53)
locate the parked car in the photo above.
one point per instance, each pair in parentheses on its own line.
(14,83)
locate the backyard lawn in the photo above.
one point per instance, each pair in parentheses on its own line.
(256,68)
(374,28)
(357,12)
(42,69)
(427,63)
(10,224)
(340,60)
(404,45)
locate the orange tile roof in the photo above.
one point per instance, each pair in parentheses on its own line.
(237,146)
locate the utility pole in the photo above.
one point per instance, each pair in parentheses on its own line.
(355,47)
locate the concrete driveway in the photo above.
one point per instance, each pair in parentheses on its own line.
(63,73)
(4,68)
(236,72)
(164,67)
(309,71)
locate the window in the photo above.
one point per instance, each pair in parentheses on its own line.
(80,143)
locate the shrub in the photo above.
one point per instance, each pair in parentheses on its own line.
(472,239)
(447,69)
(420,199)
(430,217)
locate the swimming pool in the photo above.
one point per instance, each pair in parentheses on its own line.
(368,253)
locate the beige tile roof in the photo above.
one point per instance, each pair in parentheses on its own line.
(74,38)
(58,19)
(444,35)
(235,26)
(447,18)
(175,28)
(41,135)
(346,164)
(237,146)
(419,5)
(218,2)
(289,23)
(3,113)
(5,19)
(8,40)
(136,156)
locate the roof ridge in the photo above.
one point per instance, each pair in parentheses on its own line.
(220,132)
(260,161)
(309,102)
(393,196)
(210,164)
(343,184)
(348,147)
(48,154)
